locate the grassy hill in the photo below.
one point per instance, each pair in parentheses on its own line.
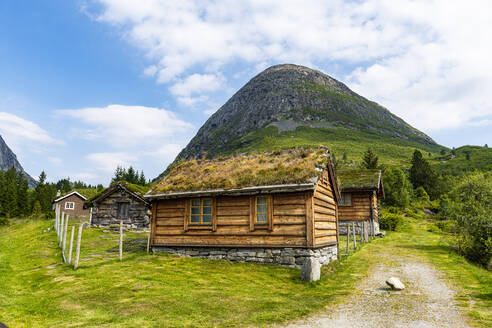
(391,150)
(466,158)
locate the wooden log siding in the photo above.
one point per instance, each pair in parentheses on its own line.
(325,214)
(360,210)
(233,223)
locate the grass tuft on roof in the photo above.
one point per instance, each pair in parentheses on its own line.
(292,166)
(359,179)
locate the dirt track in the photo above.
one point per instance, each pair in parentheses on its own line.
(425,302)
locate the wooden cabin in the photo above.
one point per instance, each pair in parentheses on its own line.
(72,203)
(119,203)
(361,191)
(272,207)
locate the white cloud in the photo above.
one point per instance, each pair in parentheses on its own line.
(108,162)
(127,126)
(427,61)
(18,130)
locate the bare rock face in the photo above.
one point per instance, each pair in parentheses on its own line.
(311,270)
(8,160)
(395,283)
(295,95)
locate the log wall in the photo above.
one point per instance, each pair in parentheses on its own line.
(361,207)
(232,223)
(325,214)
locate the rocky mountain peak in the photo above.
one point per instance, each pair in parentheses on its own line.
(9,159)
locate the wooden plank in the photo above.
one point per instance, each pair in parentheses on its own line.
(186,215)
(242,211)
(325,225)
(289,212)
(324,205)
(296,219)
(214,214)
(319,210)
(309,219)
(238,240)
(153,220)
(319,216)
(297,230)
(327,239)
(326,234)
(288,199)
(252,213)
(270,212)
(232,220)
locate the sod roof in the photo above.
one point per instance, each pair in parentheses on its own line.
(363,179)
(293,166)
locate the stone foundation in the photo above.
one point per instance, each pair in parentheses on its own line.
(287,256)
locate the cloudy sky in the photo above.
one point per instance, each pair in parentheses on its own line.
(86,85)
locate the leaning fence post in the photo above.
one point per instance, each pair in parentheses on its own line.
(60,230)
(77,251)
(121,240)
(71,245)
(353,235)
(348,238)
(64,236)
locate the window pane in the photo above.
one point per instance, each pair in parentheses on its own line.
(261,208)
(207,202)
(195,202)
(207,210)
(195,219)
(261,200)
(195,210)
(207,219)
(261,217)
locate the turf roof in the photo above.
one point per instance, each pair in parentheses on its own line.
(293,166)
(359,179)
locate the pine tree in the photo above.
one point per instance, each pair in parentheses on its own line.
(22,195)
(10,195)
(421,173)
(369,160)
(36,210)
(141,180)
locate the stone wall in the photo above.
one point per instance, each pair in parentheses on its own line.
(288,256)
(105,213)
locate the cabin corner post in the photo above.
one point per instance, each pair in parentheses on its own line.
(270,213)
(153,223)
(309,219)
(338,230)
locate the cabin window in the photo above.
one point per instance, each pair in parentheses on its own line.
(201,211)
(261,210)
(123,209)
(346,199)
(69,205)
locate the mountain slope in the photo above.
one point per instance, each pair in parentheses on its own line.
(289,96)
(9,159)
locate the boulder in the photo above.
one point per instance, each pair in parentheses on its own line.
(395,283)
(311,270)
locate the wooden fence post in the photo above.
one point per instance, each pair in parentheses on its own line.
(64,236)
(348,239)
(71,245)
(148,242)
(362,232)
(353,235)
(77,251)
(121,240)
(60,230)
(56,217)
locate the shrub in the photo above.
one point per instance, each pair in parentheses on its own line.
(472,210)
(397,187)
(390,221)
(3,221)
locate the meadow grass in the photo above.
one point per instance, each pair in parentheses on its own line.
(144,290)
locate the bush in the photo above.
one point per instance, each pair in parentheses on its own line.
(3,221)
(471,208)
(390,221)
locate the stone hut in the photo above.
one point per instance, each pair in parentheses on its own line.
(119,202)
(72,203)
(278,208)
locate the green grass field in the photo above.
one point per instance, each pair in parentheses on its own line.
(36,290)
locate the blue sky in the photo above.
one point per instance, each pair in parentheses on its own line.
(88,85)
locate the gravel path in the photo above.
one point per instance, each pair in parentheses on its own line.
(425,302)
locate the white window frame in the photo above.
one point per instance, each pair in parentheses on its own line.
(68,207)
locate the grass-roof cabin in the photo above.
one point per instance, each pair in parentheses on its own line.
(361,191)
(121,201)
(275,207)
